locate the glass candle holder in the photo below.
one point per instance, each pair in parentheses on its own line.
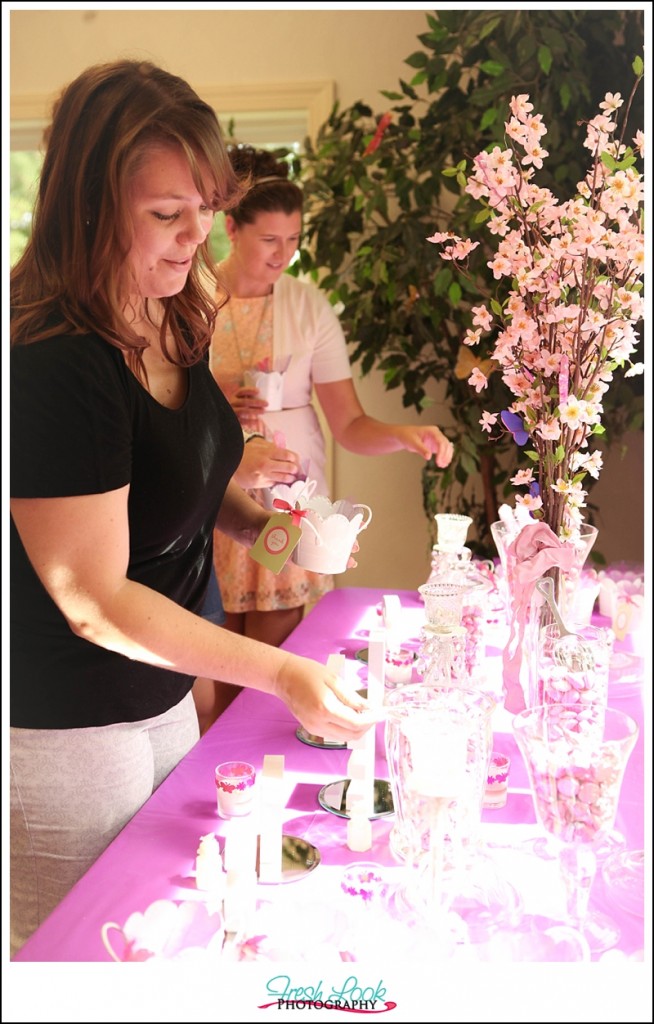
(497,782)
(452,530)
(442,656)
(443,602)
(398,666)
(235,788)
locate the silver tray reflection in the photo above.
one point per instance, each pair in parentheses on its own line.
(299,857)
(318,741)
(332,797)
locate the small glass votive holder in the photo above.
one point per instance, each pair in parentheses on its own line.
(443,602)
(235,788)
(497,782)
(398,666)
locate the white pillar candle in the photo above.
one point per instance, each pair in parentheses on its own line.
(391,617)
(376,667)
(438,755)
(271,806)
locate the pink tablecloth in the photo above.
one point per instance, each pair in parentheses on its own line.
(154,856)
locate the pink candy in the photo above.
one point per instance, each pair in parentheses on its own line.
(577,801)
(560,685)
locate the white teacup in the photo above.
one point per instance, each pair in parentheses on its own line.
(270,385)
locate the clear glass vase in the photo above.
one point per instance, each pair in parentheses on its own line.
(523,644)
(438,748)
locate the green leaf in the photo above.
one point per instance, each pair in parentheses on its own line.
(532,455)
(417,59)
(492,68)
(481,217)
(545,59)
(489,27)
(489,118)
(608,161)
(638,66)
(449,172)
(496,307)
(597,428)
(625,163)
(565,95)
(559,455)
(454,293)
(442,281)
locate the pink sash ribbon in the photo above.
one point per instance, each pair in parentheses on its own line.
(535,550)
(296,513)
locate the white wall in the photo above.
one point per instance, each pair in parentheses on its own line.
(362,51)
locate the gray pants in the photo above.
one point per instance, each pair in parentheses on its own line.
(72,791)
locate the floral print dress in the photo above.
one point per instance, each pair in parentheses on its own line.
(242,339)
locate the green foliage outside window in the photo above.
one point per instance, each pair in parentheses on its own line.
(24,169)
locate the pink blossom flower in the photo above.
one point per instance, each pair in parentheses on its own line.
(549,430)
(481,317)
(569,296)
(531,502)
(477,380)
(472,337)
(635,370)
(521,106)
(611,102)
(488,420)
(523,476)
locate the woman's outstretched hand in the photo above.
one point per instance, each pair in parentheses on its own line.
(317,698)
(427,441)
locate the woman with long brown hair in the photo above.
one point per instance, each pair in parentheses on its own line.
(122,453)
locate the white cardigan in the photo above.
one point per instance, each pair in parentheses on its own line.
(306,328)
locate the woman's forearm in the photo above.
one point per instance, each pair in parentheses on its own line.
(240,517)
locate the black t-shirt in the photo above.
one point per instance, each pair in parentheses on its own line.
(82,424)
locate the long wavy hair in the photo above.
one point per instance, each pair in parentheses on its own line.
(74,275)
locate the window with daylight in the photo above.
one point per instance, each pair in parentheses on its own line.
(275,115)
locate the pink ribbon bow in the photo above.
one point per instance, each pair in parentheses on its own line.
(535,550)
(296,513)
